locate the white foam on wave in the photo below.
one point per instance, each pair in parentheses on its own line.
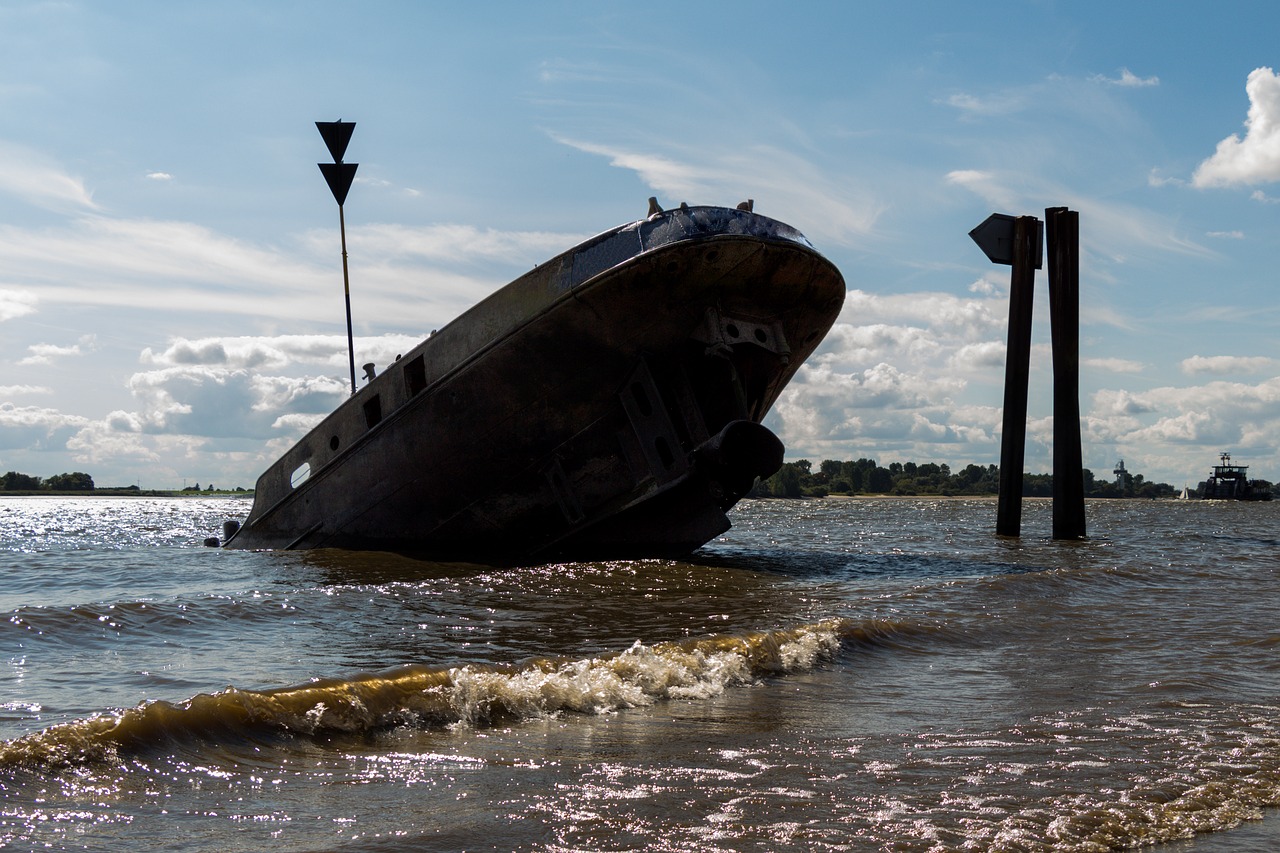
(461,696)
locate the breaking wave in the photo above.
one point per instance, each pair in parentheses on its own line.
(422,696)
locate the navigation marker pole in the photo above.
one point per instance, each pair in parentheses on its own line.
(1018,243)
(338,176)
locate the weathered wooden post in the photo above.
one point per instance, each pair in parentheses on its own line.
(1063,233)
(338,176)
(1017,242)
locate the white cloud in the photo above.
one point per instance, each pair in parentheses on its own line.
(1155,179)
(966,318)
(37,179)
(1256,158)
(990,285)
(105,442)
(206,401)
(988,105)
(1224,364)
(16,303)
(980,356)
(1226,235)
(1180,430)
(46,353)
(36,429)
(15,390)
(1127,79)
(1111,402)
(278,352)
(1114,365)
(159,176)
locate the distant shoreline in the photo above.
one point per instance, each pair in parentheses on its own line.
(123,493)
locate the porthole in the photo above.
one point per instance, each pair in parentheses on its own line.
(333,442)
(300,475)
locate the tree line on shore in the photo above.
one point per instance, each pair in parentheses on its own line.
(866,476)
(793,480)
(76,481)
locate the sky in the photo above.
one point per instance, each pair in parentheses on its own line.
(171,298)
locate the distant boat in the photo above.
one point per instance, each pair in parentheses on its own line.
(1185,494)
(606,403)
(1230,483)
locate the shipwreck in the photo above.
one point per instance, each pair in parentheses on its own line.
(606,404)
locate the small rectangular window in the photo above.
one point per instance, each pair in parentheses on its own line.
(415,376)
(373,411)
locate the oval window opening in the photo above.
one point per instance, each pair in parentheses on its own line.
(300,475)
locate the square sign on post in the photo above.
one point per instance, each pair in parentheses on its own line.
(1014,241)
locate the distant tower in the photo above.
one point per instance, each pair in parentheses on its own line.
(1120,473)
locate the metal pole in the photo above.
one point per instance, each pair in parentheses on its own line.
(346,290)
(339,175)
(1017,368)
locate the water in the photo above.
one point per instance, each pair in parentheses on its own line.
(867,674)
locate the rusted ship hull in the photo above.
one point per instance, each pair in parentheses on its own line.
(606,404)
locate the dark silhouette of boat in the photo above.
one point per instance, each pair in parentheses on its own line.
(1230,483)
(605,404)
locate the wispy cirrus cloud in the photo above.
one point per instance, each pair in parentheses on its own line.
(797,190)
(987,186)
(985,105)
(1110,228)
(424,275)
(37,179)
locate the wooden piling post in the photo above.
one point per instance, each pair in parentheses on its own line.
(1063,237)
(1017,368)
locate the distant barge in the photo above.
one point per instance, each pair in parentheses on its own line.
(605,404)
(1231,483)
